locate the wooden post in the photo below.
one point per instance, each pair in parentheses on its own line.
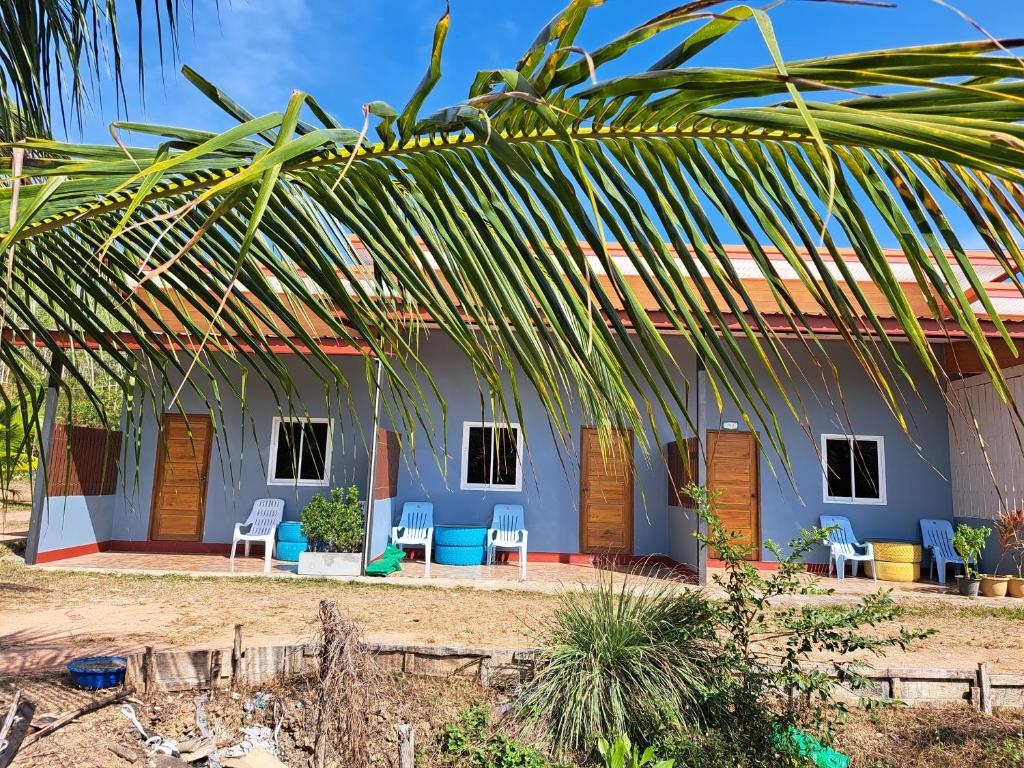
(215,668)
(984,689)
(406,746)
(149,670)
(895,688)
(236,656)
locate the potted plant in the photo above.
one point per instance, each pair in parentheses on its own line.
(334,527)
(1010,527)
(969,543)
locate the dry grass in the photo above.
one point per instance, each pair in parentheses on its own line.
(947,737)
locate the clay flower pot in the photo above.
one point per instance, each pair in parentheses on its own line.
(994,586)
(968,587)
(1016,587)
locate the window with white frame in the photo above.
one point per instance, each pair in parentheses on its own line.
(491,456)
(854,469)
(300,451)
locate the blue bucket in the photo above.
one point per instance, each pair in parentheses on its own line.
(95,672)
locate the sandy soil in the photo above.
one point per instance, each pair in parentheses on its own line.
(47,617)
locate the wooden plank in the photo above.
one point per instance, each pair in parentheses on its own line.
(985,688)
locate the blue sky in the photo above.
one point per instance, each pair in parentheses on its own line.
(348,52)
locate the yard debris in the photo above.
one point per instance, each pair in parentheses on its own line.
(9,721)
(85,709)
(257,758)
(348,690)
(123,752)
(155,744)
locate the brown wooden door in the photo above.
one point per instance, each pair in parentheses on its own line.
(606,493)
(733,471)
(179,487)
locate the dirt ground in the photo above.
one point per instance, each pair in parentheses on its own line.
(948,737)
(428,704)
(48,617)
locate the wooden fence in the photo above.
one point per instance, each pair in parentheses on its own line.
(238,666)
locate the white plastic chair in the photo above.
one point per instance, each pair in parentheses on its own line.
(508,531)
(937,536)
(416,529)
(261,525)
(843,546)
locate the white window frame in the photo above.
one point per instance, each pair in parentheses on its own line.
(464,469)
(272,464)
(880,442)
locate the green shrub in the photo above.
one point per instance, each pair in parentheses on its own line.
(969,543)
(334,524)
(765,683)
(622,754)
(622,660)
(469,743)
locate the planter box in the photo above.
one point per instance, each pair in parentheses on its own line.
(330,563)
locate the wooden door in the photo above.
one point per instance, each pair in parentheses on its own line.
(179,486)
(733,471)
(606,493)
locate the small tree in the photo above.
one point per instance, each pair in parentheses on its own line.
(765,682)
(334,524)
(969,543)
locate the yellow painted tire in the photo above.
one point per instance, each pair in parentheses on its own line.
(897,552)
(888,571)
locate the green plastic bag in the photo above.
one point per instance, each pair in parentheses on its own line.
(386,563)
(809,747)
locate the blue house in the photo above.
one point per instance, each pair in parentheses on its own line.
(178,479)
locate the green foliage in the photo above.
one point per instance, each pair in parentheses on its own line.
(622,754)
(334,524)
(469,743)
(764,683)
(969,543)
(15,445)
(620,660)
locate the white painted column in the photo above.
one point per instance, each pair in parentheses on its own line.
(39,480)
(368,530)
(702,464)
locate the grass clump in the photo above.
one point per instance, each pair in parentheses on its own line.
(619,660)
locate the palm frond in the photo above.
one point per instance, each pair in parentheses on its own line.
(556,229)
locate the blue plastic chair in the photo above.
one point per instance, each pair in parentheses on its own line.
(843,546)
(415,529)
(508,531)
(937,537)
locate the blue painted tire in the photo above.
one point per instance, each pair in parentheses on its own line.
(445,555)
(460,537)
(290,550)
(290,531)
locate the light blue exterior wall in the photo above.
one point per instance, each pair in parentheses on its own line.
(917,469)
(240,452)
(550,487)
(75,521)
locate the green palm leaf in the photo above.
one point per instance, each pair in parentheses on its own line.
(496,220)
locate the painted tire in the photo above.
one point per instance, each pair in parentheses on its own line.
(291,531)
(897,552)
(445,555)
(888,571)
(460,537)
(290,550)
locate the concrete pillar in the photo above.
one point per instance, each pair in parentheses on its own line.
(702,463)
(370,481)
(39,481)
